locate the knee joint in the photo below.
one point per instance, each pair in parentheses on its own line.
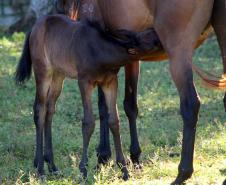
(189,111)
(51,108)
(88,124)
(131,108)
(113,123)
(36,109)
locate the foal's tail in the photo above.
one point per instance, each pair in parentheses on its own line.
(23,71)
(211,80)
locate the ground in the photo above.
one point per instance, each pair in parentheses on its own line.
(159,127)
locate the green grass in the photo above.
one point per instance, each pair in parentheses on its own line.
(159,126)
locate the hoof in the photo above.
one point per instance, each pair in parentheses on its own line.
(42,179)
(53,169)
(103,156)
(84,173)
(82,180)
(137,166)
(57,173)
(125,177)
(125,173)
(40,172)
(39,168)
(97,168)
(135,155)
(177,183)
(224,183)
(181,178)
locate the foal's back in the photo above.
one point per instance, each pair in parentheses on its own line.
(51,45)
(61,45)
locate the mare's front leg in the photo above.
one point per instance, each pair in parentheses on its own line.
(88,123)
(132,71)
(110,91)
(219,24)
(178,38)
(104,149)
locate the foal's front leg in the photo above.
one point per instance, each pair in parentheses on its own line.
(88,123)
(110,91)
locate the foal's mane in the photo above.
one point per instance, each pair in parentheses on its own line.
(75,9)
(124,38)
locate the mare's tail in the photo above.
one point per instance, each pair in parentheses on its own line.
(211,80)
(23,71)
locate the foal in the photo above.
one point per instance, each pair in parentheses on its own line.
(57,48)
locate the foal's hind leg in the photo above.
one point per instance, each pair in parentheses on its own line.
(110,91)
(88,123)
(130,105)
(219,24)
(53,94)
(43,81)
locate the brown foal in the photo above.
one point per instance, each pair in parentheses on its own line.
(57,48)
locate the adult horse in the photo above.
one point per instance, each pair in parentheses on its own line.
(179,24)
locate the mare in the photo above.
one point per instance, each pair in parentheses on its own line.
(58,47)
(181,26)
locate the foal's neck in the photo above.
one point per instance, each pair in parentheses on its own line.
(117,56)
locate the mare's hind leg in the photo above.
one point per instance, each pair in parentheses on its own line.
(53,94)
(181,71)
(43,81)
(88,123)
(178,38)
(219,24)
(110,91)
(104,149)
(130,106)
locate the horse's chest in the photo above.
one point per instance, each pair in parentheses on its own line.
(97,74)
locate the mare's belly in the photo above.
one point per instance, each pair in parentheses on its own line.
(127,14)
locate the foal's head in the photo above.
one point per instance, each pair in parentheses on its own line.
(137,43)
(68,7)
